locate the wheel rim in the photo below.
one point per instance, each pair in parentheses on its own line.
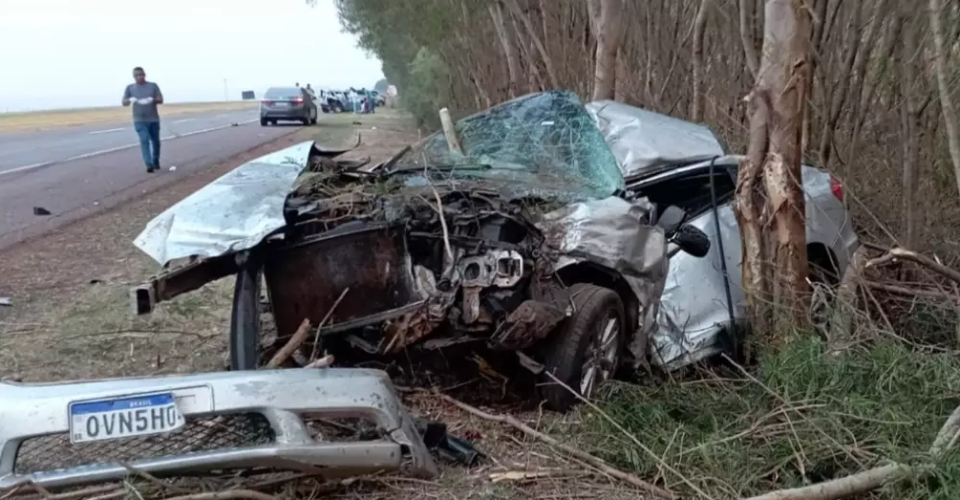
(601,360)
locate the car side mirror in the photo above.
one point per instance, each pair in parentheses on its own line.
(691,240)
(671,219)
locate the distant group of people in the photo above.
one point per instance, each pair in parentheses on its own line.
(361,101)
(309,90)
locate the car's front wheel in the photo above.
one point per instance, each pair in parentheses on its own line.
(585,350)
(263,122)
(245,318)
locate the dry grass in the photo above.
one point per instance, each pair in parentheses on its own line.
(23,122)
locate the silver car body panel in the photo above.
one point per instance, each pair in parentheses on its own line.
(610,233)
(284,398)
(233,213)
(693,306)
(644,141)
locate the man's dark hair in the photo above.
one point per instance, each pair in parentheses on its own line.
(138,68)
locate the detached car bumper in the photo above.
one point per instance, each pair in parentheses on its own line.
(232,420)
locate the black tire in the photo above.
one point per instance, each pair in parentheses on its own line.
(245,318)
(273,122)
(263,122)
(567,349)
(313,121)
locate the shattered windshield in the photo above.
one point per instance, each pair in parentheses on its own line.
(546,140)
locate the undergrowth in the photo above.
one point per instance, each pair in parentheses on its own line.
(799,417)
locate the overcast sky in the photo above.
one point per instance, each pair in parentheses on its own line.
(77,53)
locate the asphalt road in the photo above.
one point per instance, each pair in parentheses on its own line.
(76,171)
(21,151)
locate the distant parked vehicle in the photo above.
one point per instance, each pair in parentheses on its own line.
(287,104)
(378,98)
(333,102)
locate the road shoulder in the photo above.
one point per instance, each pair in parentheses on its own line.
(69,287)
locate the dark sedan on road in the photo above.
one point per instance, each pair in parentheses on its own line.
(287,104)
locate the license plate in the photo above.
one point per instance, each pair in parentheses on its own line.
(281,104)
(123,417)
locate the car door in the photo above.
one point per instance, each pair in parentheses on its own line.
(694,305)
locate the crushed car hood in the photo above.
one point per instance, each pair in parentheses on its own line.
(233,213)
(644,141)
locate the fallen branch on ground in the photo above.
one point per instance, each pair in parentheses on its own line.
(582,455)
(898,253)
(292,345)
(324,362)
(860,482)
(872,479)
(226,495)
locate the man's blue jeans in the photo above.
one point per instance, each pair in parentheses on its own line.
(149,133)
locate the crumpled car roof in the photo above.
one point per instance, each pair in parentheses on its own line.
(645,142)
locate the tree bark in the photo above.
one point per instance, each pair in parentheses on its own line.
(749,49)
(699,26)
(909,124)
(609,35)
(946,101)
(769,190)
(506,44)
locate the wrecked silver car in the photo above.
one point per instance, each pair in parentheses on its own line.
(527,241)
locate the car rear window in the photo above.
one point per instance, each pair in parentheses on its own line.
(283,93)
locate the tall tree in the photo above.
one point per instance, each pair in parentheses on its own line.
(699,25)
(946,99)
(495,9)
(770,204)
(609,29)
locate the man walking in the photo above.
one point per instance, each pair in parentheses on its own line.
(144,97)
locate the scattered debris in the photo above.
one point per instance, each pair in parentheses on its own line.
(520,475)
(41,211)
(573,452)
(173,168)
(5,301)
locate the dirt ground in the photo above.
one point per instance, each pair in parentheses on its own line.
(20,122)
(71,319)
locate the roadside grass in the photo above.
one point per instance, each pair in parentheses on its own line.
(802,416)
(38,120)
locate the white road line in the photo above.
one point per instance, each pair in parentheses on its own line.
(185,120)
(26,167)
(106,131)
(119,148)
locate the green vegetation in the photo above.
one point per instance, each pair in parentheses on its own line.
(409,36)
(801,417)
